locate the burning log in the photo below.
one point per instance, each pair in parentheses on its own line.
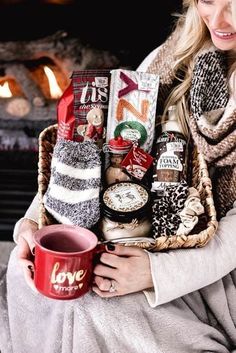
(68,53)
(28,71)
(30,89)
(64,54)
(19,107)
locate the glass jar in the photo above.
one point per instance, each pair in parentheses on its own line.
(126,210)
(118,148)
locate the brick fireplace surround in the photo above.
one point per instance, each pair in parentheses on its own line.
(64,36)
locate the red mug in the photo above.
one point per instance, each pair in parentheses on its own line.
(64,260)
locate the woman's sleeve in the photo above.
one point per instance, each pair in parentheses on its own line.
(179,272)
(32,213)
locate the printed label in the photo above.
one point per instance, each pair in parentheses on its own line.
(137,162)
(158,185)
(93,93)
(126,197)
(130,134)
(169,161)
(101,82)
(66,281)
(175,146)
(147,84)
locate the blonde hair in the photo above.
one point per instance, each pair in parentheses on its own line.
(194,35)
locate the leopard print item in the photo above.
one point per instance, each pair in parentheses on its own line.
(166,209)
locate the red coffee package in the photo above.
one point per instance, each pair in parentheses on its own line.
(82,109)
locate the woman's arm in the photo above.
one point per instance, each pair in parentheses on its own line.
(165,276)
(179,272)
(32,214)
(23,236)
(25,249)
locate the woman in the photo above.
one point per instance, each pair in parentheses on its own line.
(203,320)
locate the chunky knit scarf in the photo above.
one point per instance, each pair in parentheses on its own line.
(213,114)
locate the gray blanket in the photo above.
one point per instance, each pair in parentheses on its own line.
(203,321)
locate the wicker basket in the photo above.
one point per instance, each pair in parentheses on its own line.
(202,233)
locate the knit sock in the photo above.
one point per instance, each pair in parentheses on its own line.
(72,196)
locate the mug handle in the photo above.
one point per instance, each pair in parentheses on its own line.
(98,250)
(101,247)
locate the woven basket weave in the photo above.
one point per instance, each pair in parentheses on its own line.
(202,233)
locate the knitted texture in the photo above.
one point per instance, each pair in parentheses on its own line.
(162,65)
(213,118)
(213,123)
(213,114)
(72,196)
(225,189)
(209,89)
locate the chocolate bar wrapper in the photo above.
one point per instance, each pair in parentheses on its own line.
(132,106)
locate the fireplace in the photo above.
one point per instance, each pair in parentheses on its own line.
(32,80)
(55,37)
(41,43)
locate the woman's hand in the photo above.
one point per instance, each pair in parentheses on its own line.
(26,247)
(122,270)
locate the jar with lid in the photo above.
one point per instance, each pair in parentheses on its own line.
(126,210)
(118,148)
(170,160)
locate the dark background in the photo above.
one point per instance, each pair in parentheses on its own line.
(119,26)
(124,29)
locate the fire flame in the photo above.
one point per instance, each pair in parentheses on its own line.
(5,91)
(54,88)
